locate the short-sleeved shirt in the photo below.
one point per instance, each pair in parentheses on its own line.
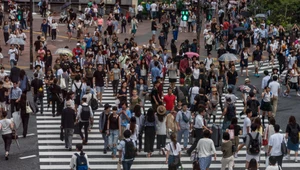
(170,147)
(154,93)
(232,77)
(153,24)
(99,78)
(275,141)
(121,147)
(179,119)
(169,100)
(253,134)
(247,123)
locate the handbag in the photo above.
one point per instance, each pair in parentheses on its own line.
(283,147)
(28,108)
(265,141)
(176,162)
(61,134)
(62,83)
(14,134)
(119,166)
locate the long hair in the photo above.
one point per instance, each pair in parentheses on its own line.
(22,74)
(174,139)
(150,115)
(292,120)
(132,124)
(252,164)
(161,117)
(137,110)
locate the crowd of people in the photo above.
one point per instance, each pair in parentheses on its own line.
(77,79)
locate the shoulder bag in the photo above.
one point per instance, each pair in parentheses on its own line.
(176,159)
(28,108)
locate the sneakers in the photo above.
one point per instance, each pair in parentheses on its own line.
(235,155)
(287,157)
(298,94)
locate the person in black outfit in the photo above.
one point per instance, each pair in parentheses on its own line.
(56,91)
(281,59)
(3,90)
(24,115)
(149,125)
(68,119)
(38,92)
(15,73)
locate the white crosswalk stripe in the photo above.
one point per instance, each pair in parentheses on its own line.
(53,155)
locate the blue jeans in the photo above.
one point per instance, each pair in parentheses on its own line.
(105,138)
(153,14)
(100,28)
(185,133)
(12,63)
(127,164)
(231,86)
(113,140)
(225,33)
(175,34)
(101,11)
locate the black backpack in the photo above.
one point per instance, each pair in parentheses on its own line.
(294,134)
(254,147)
(81,162)
(85,113)
(124,22)
(93,103)
(129,149)
(78,91)
(230,111)
(254,107)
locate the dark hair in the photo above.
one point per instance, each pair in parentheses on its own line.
(272,121)
(173,139)
(272,160)
(4,114)
(234,121)
(292,120)
(251,94)
(229,90)
(83,99)
(150,115)
(22,74)
(1,82)
(275,78)
(35,75)
(77,77)
(226,136)
(253,127)
(160,117)
(132,124)
(23,97)
(55,81)
(248,111)
(79,148)
(257,121)
(252,164)
(201,109)
(206,134)
(276,128)
(137,110)
(127,134)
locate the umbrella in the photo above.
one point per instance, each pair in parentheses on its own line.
(227,57)
(240,29)
(16,40)
(264,16)
(64,51)
(192,54)
(65,5)
(245,14)
(233,2)
(16,118)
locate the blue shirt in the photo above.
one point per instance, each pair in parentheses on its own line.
(124,120)
(44,27)
(15,93)
(88,42)
(155,72)
(148,7)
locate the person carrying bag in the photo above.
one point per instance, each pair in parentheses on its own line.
(173,153)
(6,127)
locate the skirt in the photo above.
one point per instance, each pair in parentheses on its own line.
(205,162)
(266,106)
(172,80)
(292,146)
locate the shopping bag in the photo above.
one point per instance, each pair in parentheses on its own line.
(76,128)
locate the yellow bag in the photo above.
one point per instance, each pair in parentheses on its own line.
(41,89)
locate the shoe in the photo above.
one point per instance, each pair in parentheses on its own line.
(298,94)
(287,157)
(6,156)
(296,160)
(108,148)
(66,147)
(104,151)
(163,152)
(70,149)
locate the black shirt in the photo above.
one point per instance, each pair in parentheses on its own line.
(36,84)
(2,94)
(166,27)
(99,77)
(65,65)
(37,45)
(232,77)
(111,62)
(154,93)
(153,26)
(257,55)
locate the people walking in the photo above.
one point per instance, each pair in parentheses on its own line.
(183,119)
(79,159)
(38,93)
(14,97)
(113,131)
(103,128)
(84,118)
(6,127)
(292,131)
(68,119)
(126,150)
(24,115)
(274,149)
(149,125)
(227,158)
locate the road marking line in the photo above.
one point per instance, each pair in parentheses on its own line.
(26,157)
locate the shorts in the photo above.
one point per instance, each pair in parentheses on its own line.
(100,89)
(153,32)
(249,157)
(256,64)
(245,63)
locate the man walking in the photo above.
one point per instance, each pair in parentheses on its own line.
(275,145)
(257,55)
(275,90)
(103,119)
(126,150)
(79,157)
(183,119)
(37,92)
(98,80)
(84,117)
(14,97)
(68,119)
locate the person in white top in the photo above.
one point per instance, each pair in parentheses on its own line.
(153,7)
(173,150)
(208,61)
(293,82)
(134,129)
(275,145)
(161,129)
(272,164)
(206,148)
(246,128)
(140,10)
(54,29)
(291,60)
(12,52)
(6,126)
(275,90)
(209,38)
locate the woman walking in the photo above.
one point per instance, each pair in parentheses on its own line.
(292,134)
(173,152)
(23,81)
(6,31)
(142,90)
(54,29)
(161,129)
(6,127)
(266,106)
(149,124)
(114,126)
(24,116)
(226,148)
(269,131)
(134,26)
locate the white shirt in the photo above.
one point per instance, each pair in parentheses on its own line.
(153,7)
(264,81)
(54,26)
(208,62)
(292,60)
(174,151)
(74,158)
(275,167)
(140,8)
(135,134)
(205,147)
(11,53)
(294,78)
(274,86)
(247,123)
(275,141)
(196,73)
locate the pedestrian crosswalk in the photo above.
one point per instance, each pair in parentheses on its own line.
(53,155)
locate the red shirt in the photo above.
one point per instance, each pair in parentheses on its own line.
(226,25)
(77,50)
(169,100)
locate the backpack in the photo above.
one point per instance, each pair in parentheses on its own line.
(93,103)
(230,111)
(253,106)
(78,91)
(129,150)
(254,147)
(187,80)
(85,113)
(81,162)
(124,22)
(294,134)
(180,94)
